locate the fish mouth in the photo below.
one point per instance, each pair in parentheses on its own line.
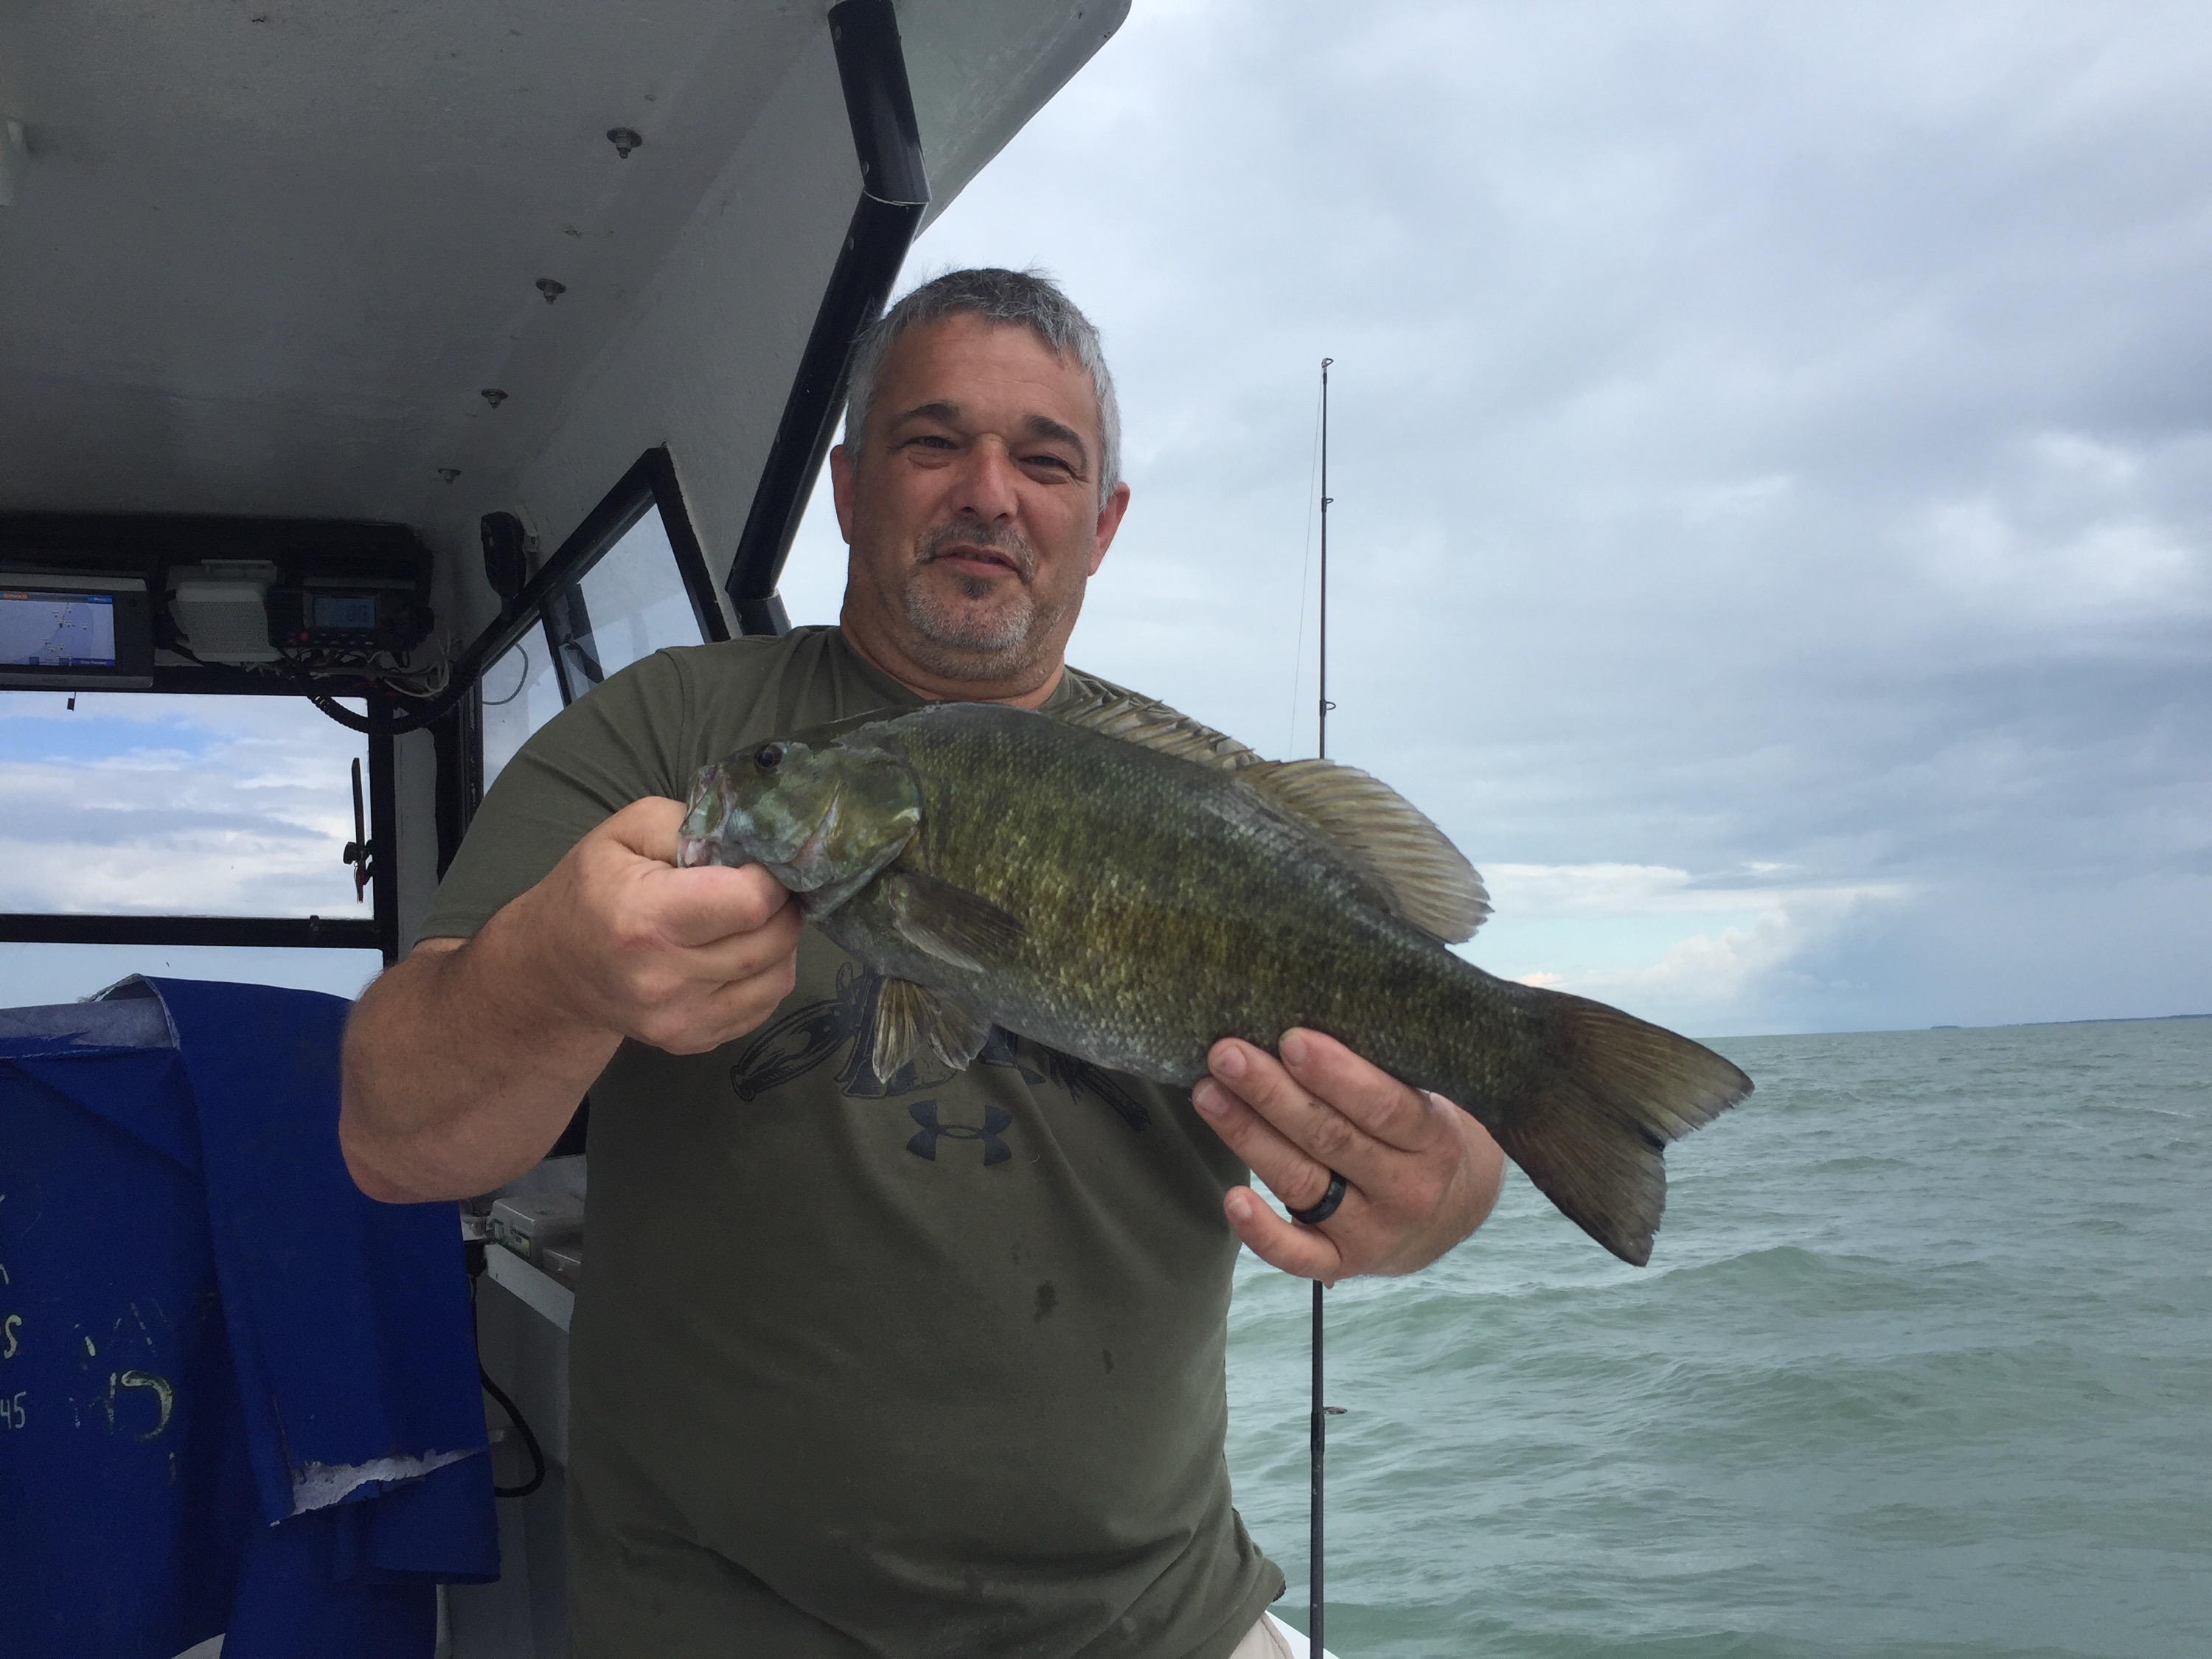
(694,841)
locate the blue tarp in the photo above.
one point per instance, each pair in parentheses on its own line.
(235,1395)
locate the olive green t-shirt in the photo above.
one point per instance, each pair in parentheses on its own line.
(933,1367)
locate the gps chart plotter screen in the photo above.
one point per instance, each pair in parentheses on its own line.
(57,630)
(74,631)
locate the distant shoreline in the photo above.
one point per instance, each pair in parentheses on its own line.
(2007,1025)
(2115,1019)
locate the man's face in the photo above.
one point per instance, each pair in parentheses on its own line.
(971,508)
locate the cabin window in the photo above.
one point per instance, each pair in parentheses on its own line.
(143,804)
(631,603)
(628,605)
(521,693)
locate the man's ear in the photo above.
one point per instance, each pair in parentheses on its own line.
(1109,521)
(841,490)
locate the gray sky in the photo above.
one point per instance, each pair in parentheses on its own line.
(1772,448)
(1772,454)
(140,802)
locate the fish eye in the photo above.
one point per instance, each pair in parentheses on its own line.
(769,756)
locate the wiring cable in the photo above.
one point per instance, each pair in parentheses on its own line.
(521,1427)
(473,1252)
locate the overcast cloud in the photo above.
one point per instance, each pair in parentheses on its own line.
(143,804)
(1772,454)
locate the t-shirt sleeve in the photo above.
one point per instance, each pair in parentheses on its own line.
(628,740)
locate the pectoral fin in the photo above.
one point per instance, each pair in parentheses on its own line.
(955,925)
(912,1020)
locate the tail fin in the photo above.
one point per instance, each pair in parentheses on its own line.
(1616,1090)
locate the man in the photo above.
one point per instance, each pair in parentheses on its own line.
(932,1366)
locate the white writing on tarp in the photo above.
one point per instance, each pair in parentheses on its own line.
(164,1399)
(11,1406)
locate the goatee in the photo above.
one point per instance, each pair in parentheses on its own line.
(958,634)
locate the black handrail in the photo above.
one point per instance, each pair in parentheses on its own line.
(384,831)
(250,932)
(894,196)
(684,541)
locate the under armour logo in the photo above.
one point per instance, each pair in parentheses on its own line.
(924,1145)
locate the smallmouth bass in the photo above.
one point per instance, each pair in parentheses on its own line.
(1125,885)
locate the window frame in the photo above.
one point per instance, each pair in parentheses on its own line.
(552,600)
(565,619)
(379,933)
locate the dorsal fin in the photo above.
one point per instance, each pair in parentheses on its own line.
(1417,873)
(1114,712)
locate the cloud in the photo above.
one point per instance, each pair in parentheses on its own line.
(1670,945)
(2094,539)
(1760,437)
(1772,454)
(1721,970)
(2128,566)
(147,804)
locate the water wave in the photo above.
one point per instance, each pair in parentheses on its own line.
(1919,1372)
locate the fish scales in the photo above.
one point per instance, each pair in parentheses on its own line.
(1167,905)
(1123,903)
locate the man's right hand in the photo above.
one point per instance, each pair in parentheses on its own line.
(464,1062)
(624,942)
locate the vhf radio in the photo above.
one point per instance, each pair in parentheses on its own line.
(339,613)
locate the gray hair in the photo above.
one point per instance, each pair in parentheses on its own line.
(1024,299)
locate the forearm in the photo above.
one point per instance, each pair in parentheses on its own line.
(457,1077)
(463,1063)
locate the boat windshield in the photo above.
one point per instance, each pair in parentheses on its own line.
(138,804)
(630,604)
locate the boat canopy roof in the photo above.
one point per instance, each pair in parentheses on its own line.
(347,352)
(419,263)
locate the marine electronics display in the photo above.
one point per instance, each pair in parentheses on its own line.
(74,632)
(363,614)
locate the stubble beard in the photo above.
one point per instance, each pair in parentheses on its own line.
(956,637)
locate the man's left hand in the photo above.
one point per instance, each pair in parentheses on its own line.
(1419,1174)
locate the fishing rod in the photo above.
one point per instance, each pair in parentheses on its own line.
(1321,743)
(1321,1412)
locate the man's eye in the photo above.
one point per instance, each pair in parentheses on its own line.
(1056,462)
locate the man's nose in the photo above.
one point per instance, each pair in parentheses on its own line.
(989,482)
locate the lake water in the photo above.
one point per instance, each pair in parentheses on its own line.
(1922,1369)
